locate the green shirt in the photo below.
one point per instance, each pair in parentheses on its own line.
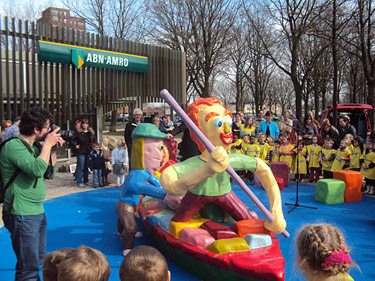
(27,199)
(218,184)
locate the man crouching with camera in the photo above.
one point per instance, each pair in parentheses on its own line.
(26,164)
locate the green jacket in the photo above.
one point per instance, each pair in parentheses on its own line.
(28,197)
(218,184)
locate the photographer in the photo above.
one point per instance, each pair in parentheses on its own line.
(23,211)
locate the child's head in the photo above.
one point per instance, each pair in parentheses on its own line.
(344,143)
(270,139)
(349,138)
(285,139)
(314,139)
(321,249)
(369,144)
(235,137)
(357,141)
(144,263)
(120,143)
(105,142)
(252,139)
(261,138)
(95,146)
(84,263)
(277,143)
(300,145)
(328,143)
(51,263)
(246,138)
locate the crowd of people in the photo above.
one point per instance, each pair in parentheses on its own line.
(311,150)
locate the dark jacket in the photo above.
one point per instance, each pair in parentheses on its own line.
(84,140)
(333,134)
(129,128)
(348,129)
(96,160)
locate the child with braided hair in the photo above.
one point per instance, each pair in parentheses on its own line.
(322,254)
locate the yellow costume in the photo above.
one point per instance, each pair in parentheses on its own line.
(368,158)
(288,148)
(265,153)
(302,165)
(351,147)
(275,155)
(251,150)
(327,164)
(354,158)
(314,155)
(246,131)
(235,147)
(338,163)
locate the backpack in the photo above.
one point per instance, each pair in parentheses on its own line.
(3,188)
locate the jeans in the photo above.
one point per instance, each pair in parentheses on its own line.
(28,234)
(97,175)
(82,168)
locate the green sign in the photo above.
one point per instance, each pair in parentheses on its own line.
(79,56)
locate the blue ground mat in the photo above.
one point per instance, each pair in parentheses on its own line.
(89,218)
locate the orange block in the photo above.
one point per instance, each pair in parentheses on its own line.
(250,227)
(353,184)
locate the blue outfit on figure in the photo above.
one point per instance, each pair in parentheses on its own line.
(274,130)
(140,182)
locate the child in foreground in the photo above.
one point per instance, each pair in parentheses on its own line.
(144,263)
(51,263)
(322,254)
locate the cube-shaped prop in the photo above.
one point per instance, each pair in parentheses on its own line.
(258,240)
(176,227)
(353,183)
(219,231)
(244,227)
(280,183)
(330,191)
(280,169)
(223,246)
(257,181)
(196,236)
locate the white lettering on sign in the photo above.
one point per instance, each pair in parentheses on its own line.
(89,58)
(101,58)
(95,58)
(109,60)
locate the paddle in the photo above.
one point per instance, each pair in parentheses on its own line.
(209,146)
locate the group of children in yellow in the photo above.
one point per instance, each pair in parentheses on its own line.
(312,159)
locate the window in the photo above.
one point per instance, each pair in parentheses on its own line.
(54,12)
(55,18)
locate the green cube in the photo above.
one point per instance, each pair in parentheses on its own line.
(330,191)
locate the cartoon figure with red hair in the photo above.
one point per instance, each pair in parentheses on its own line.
(203,177)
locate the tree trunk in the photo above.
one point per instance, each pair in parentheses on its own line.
(113,126)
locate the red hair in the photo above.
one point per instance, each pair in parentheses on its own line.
(193,111)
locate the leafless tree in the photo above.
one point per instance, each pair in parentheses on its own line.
(225,91)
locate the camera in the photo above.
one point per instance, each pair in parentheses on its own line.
(66,135)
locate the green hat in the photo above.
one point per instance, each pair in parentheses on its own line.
(148,130)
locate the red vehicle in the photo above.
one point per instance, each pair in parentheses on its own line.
(357,114)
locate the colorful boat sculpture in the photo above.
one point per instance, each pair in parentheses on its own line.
(210,259)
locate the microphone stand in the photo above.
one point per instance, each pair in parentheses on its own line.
(296,204)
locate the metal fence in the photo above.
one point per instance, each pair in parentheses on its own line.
(69,92)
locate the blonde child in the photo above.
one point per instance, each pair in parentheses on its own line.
(144,263)
(314,151)
(275,151)
(322,253)
(261,143)
(354,163)
(286,151)
(235,147)
(268,146)
(349,138)
(245,144)
(119,162)
(328,155)
(342,155)
(84,263)
(107,155)
(301,152)
(368,167)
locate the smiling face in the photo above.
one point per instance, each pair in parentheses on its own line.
(215,123)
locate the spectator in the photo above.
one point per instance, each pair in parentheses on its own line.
(248,127)
(96,164)
(328,131)
(236,124)
(52,262)
(144,263)
(107,154)
(260,118)
(137,113)
(269,127)
(13,130)
(315,122)
(84,263)
(322,253)
(157,123)
(345,128)
(286,125)
(4,125)
(165,126)
(308,130)
(83,139)
(23,212)
(119,162)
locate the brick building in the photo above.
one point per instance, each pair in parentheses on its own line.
(61,18)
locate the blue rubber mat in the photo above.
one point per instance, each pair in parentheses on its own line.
(89,218)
